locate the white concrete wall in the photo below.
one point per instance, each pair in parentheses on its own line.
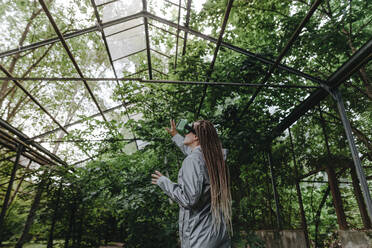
(288,238)
(356,238)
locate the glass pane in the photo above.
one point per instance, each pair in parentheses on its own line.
(118,9)
(126,43)
(123,26)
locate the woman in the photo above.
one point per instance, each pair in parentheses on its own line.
(203,188)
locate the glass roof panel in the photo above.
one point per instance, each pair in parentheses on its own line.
(167,9)
(127,43)
(99,2)
(131,64)
(112,30)
(121,8)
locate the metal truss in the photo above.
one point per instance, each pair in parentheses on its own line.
(284,51)
(160,81)
(63,41)
(354,63)
(359,58)
(171,24)
(35,149)
(218,45)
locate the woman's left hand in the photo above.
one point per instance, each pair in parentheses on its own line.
(155,177)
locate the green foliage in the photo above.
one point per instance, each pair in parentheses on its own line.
(111,198)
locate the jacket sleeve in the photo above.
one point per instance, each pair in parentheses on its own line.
(178,140)
(188,192)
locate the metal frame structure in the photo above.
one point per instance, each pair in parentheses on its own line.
(13,139)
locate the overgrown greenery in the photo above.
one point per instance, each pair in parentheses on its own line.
(111,198)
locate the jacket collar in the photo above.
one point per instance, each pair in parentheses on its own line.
(198,148)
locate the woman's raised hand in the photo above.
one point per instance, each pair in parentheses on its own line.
(172,131)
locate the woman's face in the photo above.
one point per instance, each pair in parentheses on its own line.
(191,138)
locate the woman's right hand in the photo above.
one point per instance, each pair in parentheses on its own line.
(172,131)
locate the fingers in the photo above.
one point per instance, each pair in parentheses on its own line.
(173,124)
(155,177)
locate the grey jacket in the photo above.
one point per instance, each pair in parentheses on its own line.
(192,193)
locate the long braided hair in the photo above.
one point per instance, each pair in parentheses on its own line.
(217,171)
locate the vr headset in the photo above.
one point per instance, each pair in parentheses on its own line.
(184,127)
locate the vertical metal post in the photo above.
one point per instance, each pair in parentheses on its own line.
(276,195)
(145,21)
(10,186)
(354,150)
(178,34)
(299,195)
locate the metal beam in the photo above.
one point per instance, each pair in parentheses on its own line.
(354,152)
(95,140)
(164,30)
(359,58)
(178,34)
(118,32)
(172,3)
(163,54)
(128,55)
(108,50)
(164,82)
(103,4)
(218,44)
(8,139)
(32,97)
(135,73)
(310,181)
(60,35)
(70,35)
(169,23)
(234,48)
(144,5)
(294,37)
(29,156)
(76,122)
(27,140)
(276,195)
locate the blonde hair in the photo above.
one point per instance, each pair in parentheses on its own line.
(217,171)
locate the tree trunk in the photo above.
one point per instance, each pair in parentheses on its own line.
(9,189)
(55,215)
(80,230)
(71,224)
(332,181)
(318,213)
(34,206)
(336,197)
